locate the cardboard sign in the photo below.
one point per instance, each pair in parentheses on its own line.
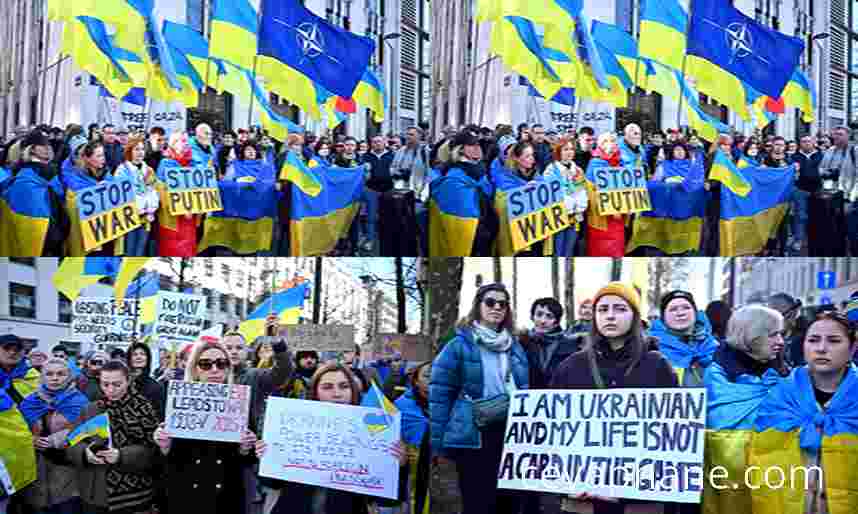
(107,211)
(101,323)
(179,318)
(643,444)
(321,338)
(342,447)
(192,191)
(413,347)
(621,191)
(535,212)
(206,411)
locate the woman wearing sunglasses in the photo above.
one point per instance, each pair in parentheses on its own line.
(206,476)
(469,395)
(808,421)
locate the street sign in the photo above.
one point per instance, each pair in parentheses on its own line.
(826,280)
(825,300)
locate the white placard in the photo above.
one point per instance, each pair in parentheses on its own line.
(644,444)
(343,447)
(179,318)
(6,479)
(101,323)
(206,411)
(321,338)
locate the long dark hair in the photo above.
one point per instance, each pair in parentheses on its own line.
(474,314)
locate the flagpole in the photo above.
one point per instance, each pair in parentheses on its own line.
(255,57)
(635,102)
(684,60)
(209,53)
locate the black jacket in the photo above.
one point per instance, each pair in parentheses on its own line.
(736,363)
(615,368)
(542,152)
(808,179)
(205,476)
(380,179)
(113,155)
(545,353)
(144,382)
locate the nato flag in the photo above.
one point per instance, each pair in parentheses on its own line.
(328,55)
(759,56)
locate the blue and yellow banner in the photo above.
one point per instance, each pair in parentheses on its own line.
(663,28)
(246,223)
(318,222)
(454,213)
(192,190)
(25,213)
(748,222)
(294,170)
(535,212)
(497,186)
(107,211)
(234,30)
(287,304)
(620,190)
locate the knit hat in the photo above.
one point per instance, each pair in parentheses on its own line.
(669,297)
(622,290)
(75,143)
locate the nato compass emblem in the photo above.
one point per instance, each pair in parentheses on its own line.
(309,39)
(739,40)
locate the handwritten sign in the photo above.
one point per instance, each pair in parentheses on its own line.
(207,411)
(644,444)
(413,347)
(535,212)
(621,191)
(192,191)
(179,317)
(102,323)
(321,338)
(107,211)
(331,445)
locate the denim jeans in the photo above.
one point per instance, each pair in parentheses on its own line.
(798,224)
(135,242)
(564,242)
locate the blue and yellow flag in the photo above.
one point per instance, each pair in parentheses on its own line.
(725,171)
(663,28)
(76,273)
(748,222)
(86,41)
(621,47)
(234,31)
(454,213)
(145,289)
(16,443)
(25,214)
(96,426)
(318,222)
(678,208)
(307,180)
(791,430)
(515,40)
(562,13)
(246,223)
(370,94)
(286,304)
(375,398)
(799,93)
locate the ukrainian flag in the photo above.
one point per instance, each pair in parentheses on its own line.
(792,431)
(287,305)
(122,14)
(194,49)
(707,126)
(145,289)
(678,209)
(318,222)
(663,32)
(723,170)
(294,170)
(16,443)
(85,40)
(246,223)
(370,94)
(234,31)
(96,426)
(622,48)
(375,398)
(454,213)
(25,214)
(799,93)
(748,222)
(732,406)
(515,40)
(548,12)
(76,273)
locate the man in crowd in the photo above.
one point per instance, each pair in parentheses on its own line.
(155,147)
(394,143)
(523,132)
(349,158)
(632,153)
(446,136)
(87,382)
(585,317)
(243,136)
(113,151)
(585,147)
(365,374)
(790,309)
(306,363)
(201,144)
(60,352)
(656,143)
(541,147)
(807,160)
(840,163)
(777,158)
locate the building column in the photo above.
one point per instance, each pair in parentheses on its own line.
(27,63)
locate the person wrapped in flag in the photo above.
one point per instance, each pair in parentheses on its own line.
(743,372)
(605,234)
(111,446)
(414,406)
(335,383)
(810,422)
(17,381)
(177,235)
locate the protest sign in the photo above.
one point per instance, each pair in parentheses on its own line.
(321,338)
(344,447)
(413,347)
(106,211)
(621,191)
(207,411)
(179,317)
(102,323)
(535,212)
(192,191)
(644,444)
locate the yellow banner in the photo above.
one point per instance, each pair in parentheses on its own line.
(621,191)
(107,211)
(194,201)
(538,225)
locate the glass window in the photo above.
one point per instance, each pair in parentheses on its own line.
(64,307)
(26,261)
(22,300)
(223,304)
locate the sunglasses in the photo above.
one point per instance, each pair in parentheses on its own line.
(13,347)
(491,302)
(206,364)
(97,362)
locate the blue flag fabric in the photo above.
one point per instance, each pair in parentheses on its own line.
(763,58)
(334,58)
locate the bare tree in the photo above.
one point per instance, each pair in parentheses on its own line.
(665,274)
(617,268)
(570,292)
(555,277)
(498,271)
(401,326)
(514,285)
(444,288)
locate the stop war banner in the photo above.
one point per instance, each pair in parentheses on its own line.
(344,447)
(535,212)
(644,444)
(207,411)
(107,211)
(192,191)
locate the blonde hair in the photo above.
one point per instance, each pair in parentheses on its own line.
(750,326)
(191,373)
(603,136)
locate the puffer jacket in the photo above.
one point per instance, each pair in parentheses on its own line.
(457,379)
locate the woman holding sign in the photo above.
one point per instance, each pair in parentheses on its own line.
(332,383)
(111,447)
(177,235)
(575,200)
(616,354)
(469,392)
(606,235)
(206,476)
(744,370)
(146,197)
(809,423)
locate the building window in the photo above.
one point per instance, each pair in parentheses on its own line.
(207,324)
(223,304)
(238,307)
(64,307)
(26,261)
(22,300)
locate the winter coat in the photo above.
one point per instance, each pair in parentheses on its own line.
(57,479)
(546,352)
(457,379)
(605,234)
(205,476)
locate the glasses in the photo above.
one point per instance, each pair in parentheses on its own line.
(491,302)
(97,362)
(206,364)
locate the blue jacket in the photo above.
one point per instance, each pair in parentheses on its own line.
(457,378)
